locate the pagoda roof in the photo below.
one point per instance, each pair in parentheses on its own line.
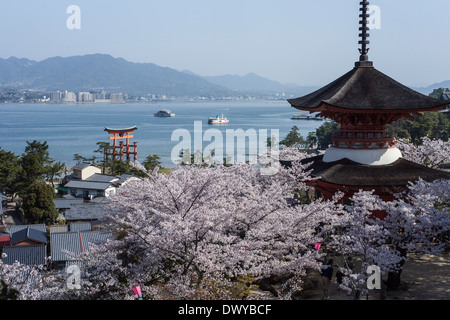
(364,88)
(349,173)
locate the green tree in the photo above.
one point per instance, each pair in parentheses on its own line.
(311,140)
(188,158)
(325,133)
(37,165)
(53,171)
(437,93)
(81,159)
(435,125)
(10,171)
(38,203)
(103,148)
(120,167)
(293,138)
(151,162)
(104,162)
(35,162)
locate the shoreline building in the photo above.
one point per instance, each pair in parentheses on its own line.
(362,155)
(117,98)
(56,97)
(88,182)
(85,97)
(69,97)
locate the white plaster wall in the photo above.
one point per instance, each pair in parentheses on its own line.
(375,157)
(89,171)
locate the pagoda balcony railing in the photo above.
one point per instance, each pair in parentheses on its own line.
(363,136)
(362,141)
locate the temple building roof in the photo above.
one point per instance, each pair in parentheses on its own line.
(350,173)
(366,88)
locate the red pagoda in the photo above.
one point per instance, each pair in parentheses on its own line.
(120,150)
(362,155)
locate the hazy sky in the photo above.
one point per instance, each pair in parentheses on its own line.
(308,42)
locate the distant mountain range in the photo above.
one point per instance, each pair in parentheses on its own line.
(429,89)
(253,83)
(102,72)
(96,72)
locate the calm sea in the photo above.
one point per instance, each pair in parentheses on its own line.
(70,129)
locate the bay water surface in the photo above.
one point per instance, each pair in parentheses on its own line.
(76,128)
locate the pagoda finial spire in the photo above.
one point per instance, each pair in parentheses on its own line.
(364,35)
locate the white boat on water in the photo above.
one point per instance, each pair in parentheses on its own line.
(164,113)
(304,117)
(218,120)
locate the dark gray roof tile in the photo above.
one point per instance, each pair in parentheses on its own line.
(28,255)
(28,232)
(349,173)
(87,211)
(366,88)
(97,177)
(61,203)
(88,185)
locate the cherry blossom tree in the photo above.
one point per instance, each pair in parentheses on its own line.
(417,221)
(361,239)
(196,231)
(22,282)
(431,153)
(212,232)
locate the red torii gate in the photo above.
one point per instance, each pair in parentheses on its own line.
(118,151)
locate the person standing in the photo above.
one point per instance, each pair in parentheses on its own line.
(326,276)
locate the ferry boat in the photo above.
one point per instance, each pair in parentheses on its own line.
(304,117)
(164,113)
(218,120)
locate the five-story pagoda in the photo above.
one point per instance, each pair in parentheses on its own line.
(362,155)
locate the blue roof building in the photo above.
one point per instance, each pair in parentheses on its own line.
(72,227)
(33,255)
(66,247)
(28,234)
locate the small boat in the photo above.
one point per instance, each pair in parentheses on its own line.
(164,113)
(218,120)
(304,117)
